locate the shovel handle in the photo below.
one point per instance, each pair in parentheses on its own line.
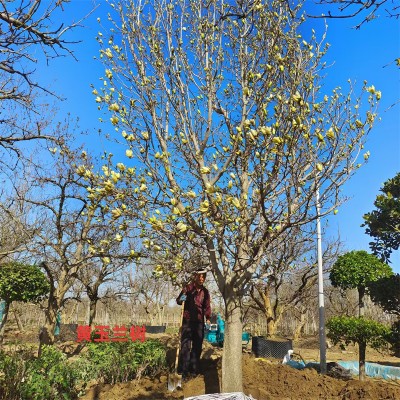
(179,336)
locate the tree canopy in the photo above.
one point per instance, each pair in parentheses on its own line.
(386,293)
(357,269)
(383,223)
(22,282)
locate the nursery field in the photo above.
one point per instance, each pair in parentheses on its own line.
(263,379)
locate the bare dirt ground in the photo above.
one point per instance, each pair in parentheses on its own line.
(263,379)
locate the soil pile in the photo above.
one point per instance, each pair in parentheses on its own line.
(263,379)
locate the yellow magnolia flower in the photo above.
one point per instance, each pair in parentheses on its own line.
(145,135)
(330,134)
(277,140)
(114,107)
(121,167)
(191,194)
(236,202)
(205,170)
(181,227)
(129,153)
(204,206)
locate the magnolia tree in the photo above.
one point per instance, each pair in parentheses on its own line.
(78,226)
(222,110)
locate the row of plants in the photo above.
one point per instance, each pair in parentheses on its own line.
(52,376)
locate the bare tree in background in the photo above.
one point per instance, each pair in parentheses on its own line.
(28,39)
(287,279)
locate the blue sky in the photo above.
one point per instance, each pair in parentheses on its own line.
(365,54)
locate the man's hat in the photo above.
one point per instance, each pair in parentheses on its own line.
(200,271)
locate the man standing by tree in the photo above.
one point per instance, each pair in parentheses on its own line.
(196,308)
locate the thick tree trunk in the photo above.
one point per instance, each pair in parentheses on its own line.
(300,327)
(361,360)
(46,336)
(92,311)
(3,321)
(269,315)
(232,378)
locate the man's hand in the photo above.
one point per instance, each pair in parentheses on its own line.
(208,322)
(183,298)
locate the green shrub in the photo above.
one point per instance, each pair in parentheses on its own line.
(344,330)
(12,374)
(50,377)
(123,361)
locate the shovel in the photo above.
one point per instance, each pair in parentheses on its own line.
(175,379)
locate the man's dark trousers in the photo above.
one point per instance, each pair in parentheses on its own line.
(191,345)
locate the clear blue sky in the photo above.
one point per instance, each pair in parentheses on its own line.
(365,54)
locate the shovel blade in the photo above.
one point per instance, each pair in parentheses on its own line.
(174,381)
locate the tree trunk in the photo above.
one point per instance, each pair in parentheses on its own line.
(232,378)
(92,311)
(361,307)
(299,327)
(3,321)
(18,320)
(271,326)
(361,360)
(46,335)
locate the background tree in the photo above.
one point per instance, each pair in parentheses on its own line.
(356,270)
(20,282)
(286,281)
(98,274)
(79,224)
(345,330)
(386,293)
(222,109)
(383,223)
(28,37)
(16,230)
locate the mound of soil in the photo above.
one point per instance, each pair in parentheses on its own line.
(263,379)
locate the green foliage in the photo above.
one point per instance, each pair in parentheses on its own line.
(345,330)
(394,338)
(357,269)
(123,361)
(26,377)
(12,367)
(383,223)
(50,377)
(386,293)
(21,282)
